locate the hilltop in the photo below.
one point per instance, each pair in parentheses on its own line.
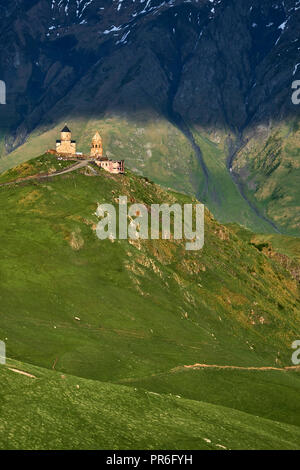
(135,313)
(180,111)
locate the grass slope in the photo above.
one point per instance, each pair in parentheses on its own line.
(153,147)
(269,166)
(128,312)
(224,199)
(272,395)
(53,411)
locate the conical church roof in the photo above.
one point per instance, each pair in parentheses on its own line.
(97,137)
(65,129)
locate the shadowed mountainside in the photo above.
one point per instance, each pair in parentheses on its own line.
(173,85)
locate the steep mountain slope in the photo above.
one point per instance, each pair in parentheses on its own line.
(135,313)
(269,168)
(210,68)
(180,72)
(128,287)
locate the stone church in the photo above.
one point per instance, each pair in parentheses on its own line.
(97,147)
(66,148)
(65,145)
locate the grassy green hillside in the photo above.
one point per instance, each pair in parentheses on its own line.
(285,249)
(156,149)
(269,166)
(144,146)
(268,394)
(289,246)
(224,199)
(135,313)
(54,411)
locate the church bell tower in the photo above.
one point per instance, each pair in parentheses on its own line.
(97,147)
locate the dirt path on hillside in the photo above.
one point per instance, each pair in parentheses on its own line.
(208,366)
(70,169)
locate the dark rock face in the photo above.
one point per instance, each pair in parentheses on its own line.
(218,63)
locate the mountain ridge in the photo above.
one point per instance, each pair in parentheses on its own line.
(224,74)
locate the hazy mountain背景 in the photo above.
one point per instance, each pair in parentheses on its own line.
(182,90)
